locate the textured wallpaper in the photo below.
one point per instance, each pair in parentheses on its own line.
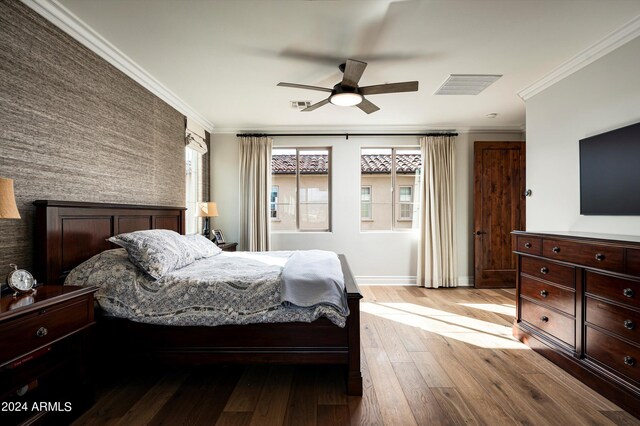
(73,127)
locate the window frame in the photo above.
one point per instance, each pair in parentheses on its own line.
(297,191)
(395,217)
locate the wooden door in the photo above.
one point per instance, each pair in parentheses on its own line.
(499,208)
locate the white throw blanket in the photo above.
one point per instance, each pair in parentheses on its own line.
(311,278)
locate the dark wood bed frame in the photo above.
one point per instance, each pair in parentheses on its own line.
(68,233)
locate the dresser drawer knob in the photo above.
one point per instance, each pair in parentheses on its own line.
(629,361)
(627,292)
(42,332)
(544,270)
(599,257)
(544,293)
(527,245)
(544,318)
(556,250)
(629,325)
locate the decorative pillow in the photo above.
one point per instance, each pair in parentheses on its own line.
(156,251)
(201,246)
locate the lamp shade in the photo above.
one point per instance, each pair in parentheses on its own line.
(209,209)
(8,209)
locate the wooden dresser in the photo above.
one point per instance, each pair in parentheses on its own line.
(578,304)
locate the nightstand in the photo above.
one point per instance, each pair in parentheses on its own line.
(45,346)
(228,246)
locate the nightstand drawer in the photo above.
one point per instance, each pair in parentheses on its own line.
(31,331)
(556,297)
(551,322)
(549,271)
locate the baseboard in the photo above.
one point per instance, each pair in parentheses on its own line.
(386,280)
(403,280)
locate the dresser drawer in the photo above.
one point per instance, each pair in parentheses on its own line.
(28,332)
(593,255)
(553,323)
(529,245)
(613,288)
(550,271)
(633,261)
(614,353)
(623,322)
(556,297)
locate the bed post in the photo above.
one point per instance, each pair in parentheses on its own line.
(354,376)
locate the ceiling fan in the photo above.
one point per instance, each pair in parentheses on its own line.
(348,93)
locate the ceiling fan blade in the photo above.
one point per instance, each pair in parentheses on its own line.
(352,72)
(316,105)
(367,106)
(406,86)
(304,86)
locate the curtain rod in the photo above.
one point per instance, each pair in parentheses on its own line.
(346,135)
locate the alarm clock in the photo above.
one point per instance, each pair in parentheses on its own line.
(20,280)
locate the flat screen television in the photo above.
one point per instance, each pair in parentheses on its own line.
(610,173)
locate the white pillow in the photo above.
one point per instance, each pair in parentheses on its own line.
(201,246)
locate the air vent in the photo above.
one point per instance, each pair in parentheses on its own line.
(300,104)
(466,84)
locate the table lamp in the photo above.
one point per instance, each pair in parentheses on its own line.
(207,210)
(8,208)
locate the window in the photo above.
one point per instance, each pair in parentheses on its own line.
(406,202)
(302,198)
(392,175)
(274,202)
(365,202)
(193,168)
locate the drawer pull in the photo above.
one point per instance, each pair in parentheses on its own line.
(544,318)
(42,332)
(544,293)
(599,257)
(544,270)
(627,292)
(527,245)
(629,325)
(556,250)
(629,361)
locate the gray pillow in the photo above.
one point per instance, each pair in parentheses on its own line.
(201,246)
(156,251)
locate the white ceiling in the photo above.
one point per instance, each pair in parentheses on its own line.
(224,58)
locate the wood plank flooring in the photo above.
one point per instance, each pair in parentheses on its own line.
(429,357)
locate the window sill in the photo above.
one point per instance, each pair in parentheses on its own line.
(405,220)
(366,220)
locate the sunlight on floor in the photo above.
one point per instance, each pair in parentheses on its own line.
(484,334)
(492,307)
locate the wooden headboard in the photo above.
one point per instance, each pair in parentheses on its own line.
(68,233)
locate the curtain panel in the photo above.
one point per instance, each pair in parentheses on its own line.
(255,189)
(436,247)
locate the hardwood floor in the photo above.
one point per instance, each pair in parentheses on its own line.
(429,357)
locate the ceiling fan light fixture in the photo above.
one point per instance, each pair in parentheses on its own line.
(346,99)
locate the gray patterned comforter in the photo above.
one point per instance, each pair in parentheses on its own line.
(229,288)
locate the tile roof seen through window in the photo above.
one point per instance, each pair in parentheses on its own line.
(369,163)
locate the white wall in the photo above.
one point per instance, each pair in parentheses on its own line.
(603,96)
(374,257)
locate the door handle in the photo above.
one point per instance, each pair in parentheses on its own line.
(478,233)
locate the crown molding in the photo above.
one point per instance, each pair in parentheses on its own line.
(64,19)
(608,44)
(370,129)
